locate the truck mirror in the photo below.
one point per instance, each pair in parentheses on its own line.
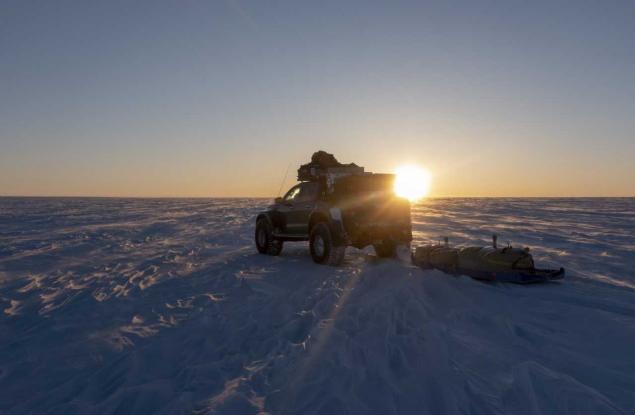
(277,200)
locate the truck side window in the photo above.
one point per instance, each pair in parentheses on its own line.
(292,194)
(309,192)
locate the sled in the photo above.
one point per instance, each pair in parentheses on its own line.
(506,264)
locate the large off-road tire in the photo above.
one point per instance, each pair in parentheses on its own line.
(386,249)
(323,249)
(265,242)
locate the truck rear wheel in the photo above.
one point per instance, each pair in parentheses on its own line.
(323,249)
(265,242)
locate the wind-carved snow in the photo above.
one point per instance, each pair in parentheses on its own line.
(164,306)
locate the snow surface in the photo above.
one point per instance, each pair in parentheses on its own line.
(164,306)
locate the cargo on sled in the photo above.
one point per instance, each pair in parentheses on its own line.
(506,264)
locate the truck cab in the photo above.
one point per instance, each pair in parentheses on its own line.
(291,213)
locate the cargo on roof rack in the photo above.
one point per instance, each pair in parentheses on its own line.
(325,165)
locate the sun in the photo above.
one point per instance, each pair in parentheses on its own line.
(412,182)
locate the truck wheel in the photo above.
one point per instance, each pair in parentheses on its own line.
(265,242)
(386,249)
(323,250)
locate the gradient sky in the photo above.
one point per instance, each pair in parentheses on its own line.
(218,98)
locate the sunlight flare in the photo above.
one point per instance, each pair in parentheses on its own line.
(412,182)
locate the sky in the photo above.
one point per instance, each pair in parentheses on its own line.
(221,98)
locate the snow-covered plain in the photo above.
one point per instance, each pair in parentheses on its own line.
(164,306)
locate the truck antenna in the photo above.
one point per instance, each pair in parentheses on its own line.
(284,179)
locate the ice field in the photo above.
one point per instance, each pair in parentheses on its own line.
(164,306)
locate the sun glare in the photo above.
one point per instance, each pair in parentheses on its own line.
(412,182)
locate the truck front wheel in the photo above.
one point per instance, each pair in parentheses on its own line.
(265,242)
(323,249)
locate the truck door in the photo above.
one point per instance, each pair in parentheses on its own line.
(303,205)
(284,210)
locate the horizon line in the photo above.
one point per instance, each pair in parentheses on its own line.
(273,197)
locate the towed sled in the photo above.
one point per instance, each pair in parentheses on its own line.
(507,264)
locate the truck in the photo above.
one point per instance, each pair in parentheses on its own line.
(334,206)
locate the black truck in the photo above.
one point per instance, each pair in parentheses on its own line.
(335,206)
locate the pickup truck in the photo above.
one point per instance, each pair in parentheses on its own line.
(332,213)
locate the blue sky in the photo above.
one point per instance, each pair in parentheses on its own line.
(194,98)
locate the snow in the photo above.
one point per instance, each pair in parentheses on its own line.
(164,306)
